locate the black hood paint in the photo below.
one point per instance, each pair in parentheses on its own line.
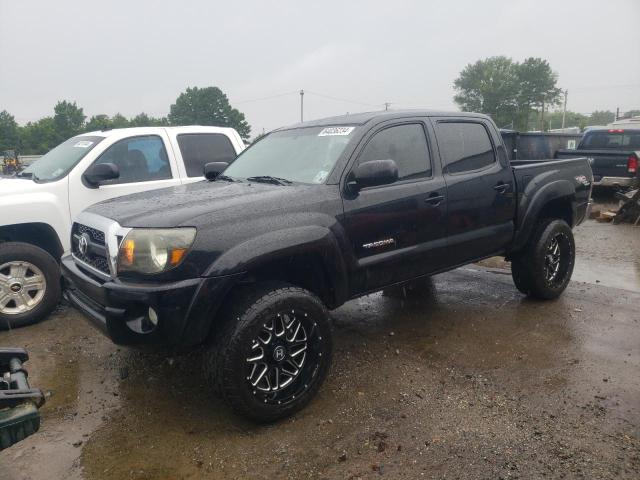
(184,205)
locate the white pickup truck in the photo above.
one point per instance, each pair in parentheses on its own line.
(38,204)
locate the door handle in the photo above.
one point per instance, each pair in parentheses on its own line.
(434,199)
(502,187)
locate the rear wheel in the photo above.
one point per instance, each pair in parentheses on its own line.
(29,284)
(273,352)
(544,268)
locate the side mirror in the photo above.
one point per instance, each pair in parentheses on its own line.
(373,173)
(213,169)
(97,174)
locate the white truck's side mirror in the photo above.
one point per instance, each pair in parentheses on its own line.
(97,174)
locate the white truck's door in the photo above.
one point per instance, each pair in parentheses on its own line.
(146,162)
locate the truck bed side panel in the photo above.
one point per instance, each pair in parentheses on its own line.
(538,183)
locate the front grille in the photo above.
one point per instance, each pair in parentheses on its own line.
(96,235)
(96,252)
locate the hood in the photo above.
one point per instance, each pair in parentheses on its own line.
(12,186)
(193,204)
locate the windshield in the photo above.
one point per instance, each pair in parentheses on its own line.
(304,155)
(622,139)
(59,161)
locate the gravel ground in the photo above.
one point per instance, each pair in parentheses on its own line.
(470,380)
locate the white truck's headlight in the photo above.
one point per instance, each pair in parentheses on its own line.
(154,250)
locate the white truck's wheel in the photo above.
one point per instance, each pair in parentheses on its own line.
(29,284)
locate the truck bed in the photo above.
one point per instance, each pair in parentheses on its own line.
(566,175)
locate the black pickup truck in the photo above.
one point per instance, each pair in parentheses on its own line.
(307,218)
(613,153)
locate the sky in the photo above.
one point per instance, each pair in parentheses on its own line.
(349,56)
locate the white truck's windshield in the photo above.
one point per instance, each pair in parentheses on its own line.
(304,155)
(56,163)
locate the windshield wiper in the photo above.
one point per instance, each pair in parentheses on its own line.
(270,179)
(226,178)
(28,175)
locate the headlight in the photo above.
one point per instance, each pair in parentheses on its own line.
(154,250)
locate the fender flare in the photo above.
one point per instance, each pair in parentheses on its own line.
(534,204)
(315,240)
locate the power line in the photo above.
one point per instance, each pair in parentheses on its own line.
(267,98)
(346,100)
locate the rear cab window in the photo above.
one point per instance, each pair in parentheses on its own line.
(620,139)
(464,146)
(198,149)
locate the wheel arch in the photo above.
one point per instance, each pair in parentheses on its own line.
(554,200)
(39,234)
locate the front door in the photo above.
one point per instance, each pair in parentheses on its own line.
(143,164)
(396,231)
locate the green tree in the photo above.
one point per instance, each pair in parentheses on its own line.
(9,134)
(537,87)
(508,91)
(37,138)
(98,122)
(572,119)
(489,86)
(68,120)
(207,106)
(601,117)
(144,120)
(630,114)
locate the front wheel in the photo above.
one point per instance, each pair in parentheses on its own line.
(544,268)
(273,352)
(29,284)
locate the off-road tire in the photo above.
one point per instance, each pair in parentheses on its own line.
(18,251)
(528,268)
(243,315)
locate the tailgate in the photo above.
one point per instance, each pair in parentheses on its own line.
(604,163)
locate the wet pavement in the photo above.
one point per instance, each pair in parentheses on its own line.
(471,380)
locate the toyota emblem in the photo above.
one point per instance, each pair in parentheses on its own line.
(83,243)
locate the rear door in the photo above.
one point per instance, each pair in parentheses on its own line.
(480,190)
(143,162)
(397,231)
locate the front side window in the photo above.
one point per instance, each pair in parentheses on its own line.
(464,146)
(59,161)
(305,155)
(139,159)
(404,144)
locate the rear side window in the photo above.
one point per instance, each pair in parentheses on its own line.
(198,149)
(464,146)
(139,159)
(406,145)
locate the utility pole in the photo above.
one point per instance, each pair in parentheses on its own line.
(564,110)
(302,105)
(386,106)
(617,113)
(542,117)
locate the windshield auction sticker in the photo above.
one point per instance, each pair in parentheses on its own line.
(332,131)
(83,144)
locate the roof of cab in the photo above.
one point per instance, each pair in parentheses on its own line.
(365,117)
(133,130)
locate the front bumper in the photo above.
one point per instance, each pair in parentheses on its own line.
(615,182)
(184,309)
